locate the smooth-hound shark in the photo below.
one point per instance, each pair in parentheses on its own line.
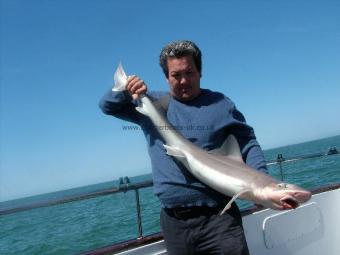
(222,169)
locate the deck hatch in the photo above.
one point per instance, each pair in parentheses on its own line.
(291,225)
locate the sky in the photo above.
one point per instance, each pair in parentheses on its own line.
(279,61)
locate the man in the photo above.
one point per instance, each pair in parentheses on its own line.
(190,218)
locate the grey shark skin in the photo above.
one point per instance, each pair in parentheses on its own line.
(223,169)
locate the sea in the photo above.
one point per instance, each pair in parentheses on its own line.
(77,227)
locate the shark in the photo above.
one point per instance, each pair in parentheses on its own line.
(222,169)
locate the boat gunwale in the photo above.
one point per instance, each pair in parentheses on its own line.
(153,238)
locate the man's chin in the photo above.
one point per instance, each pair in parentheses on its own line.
(186,96)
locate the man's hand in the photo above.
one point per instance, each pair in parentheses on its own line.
(136,86)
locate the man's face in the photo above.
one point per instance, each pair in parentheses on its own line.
(184,78)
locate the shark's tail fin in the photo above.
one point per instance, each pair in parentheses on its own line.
(120,79)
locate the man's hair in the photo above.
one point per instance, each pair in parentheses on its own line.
(179,49)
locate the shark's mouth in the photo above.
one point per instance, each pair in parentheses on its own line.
(289,202)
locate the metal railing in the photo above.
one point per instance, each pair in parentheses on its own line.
(280,159)
(125,185)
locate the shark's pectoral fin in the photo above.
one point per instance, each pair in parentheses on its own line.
(173,151)
(233,199)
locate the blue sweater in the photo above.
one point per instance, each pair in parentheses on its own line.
(206,121)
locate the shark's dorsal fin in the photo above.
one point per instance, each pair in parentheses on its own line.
(229,148)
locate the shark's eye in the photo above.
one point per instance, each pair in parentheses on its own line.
(282,185)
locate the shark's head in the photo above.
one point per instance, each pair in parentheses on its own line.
(284,196)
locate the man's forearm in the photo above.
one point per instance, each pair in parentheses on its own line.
(120,105)
(255,158)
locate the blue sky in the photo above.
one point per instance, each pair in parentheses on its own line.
(279,61)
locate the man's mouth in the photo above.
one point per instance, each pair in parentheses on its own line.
(186,89)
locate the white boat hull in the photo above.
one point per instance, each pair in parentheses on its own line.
(311,229)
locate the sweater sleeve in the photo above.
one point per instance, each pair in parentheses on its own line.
(120,105)
(250,148)
(254,156)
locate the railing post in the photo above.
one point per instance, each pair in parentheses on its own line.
(124,184)
(280,159)
(139,216)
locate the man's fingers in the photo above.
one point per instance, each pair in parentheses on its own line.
(137,93)
(131,81)
(141,90)
(135,86)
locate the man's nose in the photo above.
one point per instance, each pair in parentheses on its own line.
(183,80)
